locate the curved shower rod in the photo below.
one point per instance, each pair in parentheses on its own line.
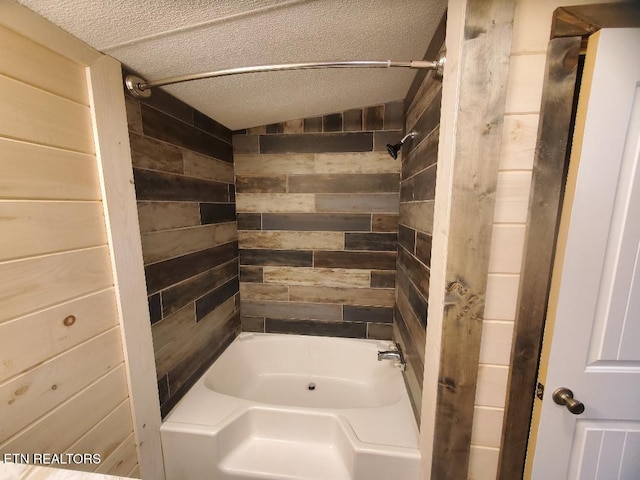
(140,88)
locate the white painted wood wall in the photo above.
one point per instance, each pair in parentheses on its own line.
(77,373)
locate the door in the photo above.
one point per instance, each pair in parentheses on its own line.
(595,346)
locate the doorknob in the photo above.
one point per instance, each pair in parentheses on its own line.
(564,396)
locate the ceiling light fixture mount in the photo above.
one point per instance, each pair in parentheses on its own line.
(140,88)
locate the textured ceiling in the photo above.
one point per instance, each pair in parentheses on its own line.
(163,38)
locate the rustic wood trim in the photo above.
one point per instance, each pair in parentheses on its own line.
(570,27)
(116,177)
(482,76)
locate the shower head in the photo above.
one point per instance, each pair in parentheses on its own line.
(394,149)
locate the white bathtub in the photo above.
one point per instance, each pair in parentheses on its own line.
(291,407)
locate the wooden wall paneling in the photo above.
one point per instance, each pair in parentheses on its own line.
(25,22)
(91,405)
(34,64)
(30,114)
(54,330)
(37,172)
(482,76)
(105,437)
(37,391)
(115,166)
(37,228)
(68,275)
(122,459)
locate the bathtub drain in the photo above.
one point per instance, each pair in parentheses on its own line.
(311,386)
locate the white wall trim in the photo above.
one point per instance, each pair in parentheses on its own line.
(113,153)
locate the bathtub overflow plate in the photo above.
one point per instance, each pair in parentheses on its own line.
(311,386)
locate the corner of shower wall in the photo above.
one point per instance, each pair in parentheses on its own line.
(317,202)
(184,180)
(415,223)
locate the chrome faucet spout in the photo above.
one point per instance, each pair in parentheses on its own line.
(395,355)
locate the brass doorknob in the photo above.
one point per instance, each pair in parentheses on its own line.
(564,396)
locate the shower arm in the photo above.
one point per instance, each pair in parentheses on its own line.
(140,88)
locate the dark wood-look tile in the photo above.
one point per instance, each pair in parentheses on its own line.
(169,272)
(212,300)
(407,238)
(251,274)
(345,183)
(291,258)
(134,117)
(352,120)
(249,221)
(217,213)
(155,155)
(416,271)
(423,248)
(332,123)
(379,331)
(383,279)
(374,118)
(307,327)
(163,127)
(316,222)
(252,324)
(292,310)
(416,300)
(363,260)
(367,314)
(411,354)
(394,115)
(274,184)
(275,128)
(187,373)
(313,125)
(379,242)
(419,187)
(429,120)
(177,296)
(163,389)
(317,143)
(425,155)
(209,125)
(155,308)
(151,185)
(170,105)
(232,193)
(384,223)
(242,131)
(246,144)
(382,137)
(358,202)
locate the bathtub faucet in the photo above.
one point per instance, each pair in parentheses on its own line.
(393,355)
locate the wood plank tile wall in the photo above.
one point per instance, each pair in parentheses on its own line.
(62,375)
(317,201)
(184,179)
(417,195)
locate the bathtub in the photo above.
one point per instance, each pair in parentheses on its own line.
(294,407)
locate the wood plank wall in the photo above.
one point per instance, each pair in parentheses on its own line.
(184,179)
(63,383)
(417,195)
(317,202)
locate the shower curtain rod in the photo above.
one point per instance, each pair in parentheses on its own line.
(140,88)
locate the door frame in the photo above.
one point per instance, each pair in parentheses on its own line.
(570,29)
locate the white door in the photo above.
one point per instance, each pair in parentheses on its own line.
(595,349)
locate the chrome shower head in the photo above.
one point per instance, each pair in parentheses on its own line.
(394,149)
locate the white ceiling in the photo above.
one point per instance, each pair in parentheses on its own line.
(163,38)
